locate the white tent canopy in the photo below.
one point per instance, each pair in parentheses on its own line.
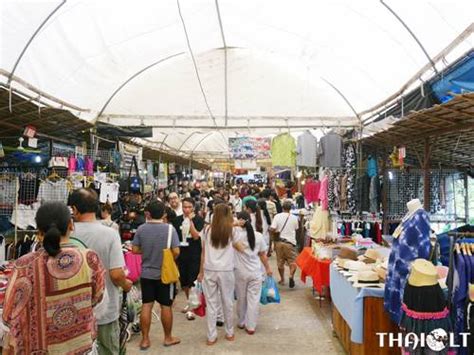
(273,65)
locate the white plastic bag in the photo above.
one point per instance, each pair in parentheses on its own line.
(194,300)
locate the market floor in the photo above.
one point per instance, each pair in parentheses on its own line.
(295,326)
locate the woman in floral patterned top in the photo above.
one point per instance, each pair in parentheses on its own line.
(50,297)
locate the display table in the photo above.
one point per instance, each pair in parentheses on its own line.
(317,269)
(357,315)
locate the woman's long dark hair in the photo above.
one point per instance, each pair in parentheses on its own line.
(221,226)
(277,202)
(262,203)
(248,227)
(52,219)
(252,205)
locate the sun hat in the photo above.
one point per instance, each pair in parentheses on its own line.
(366,278)
(348,253)
(423,273)
(370,256)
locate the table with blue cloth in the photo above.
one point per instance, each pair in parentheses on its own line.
(356,310)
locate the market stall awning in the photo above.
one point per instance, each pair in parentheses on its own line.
(448,128)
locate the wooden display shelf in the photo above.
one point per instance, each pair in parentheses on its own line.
(376,320)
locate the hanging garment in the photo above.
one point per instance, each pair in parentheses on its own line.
(306,151)
(372,168)
(284,150)
(72,165)
(365,187)
(330,151)
(413,243)
(109,192)
(323,193)
(378,233)
(89,166)
(343,193)
(53,191)
(311,191)
(350,166)
(374,193)
(319,225)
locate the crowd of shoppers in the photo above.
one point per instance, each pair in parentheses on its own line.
(66,297)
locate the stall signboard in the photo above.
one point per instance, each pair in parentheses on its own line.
(246,164)
(248,148)
(172,168)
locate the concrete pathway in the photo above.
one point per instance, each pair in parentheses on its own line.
(295,326)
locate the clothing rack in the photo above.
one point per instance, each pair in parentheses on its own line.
(454,237)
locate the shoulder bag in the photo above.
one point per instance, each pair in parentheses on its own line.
(169,270)
(276,235)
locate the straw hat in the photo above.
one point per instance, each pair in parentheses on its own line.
(370,256)
(366,279)
(423,273)
(348,253)
(352,265)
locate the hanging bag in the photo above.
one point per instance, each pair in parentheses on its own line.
(201,310)
(169,270)
(276,235)
(270,293)
(132,183)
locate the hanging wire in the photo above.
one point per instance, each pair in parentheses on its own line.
(225,61)
(194,63)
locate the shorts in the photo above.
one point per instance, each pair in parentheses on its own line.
(189,266)
(155,290)
(286,253)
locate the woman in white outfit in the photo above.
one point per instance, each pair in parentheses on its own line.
(217,271)
(248,278)
(266,220)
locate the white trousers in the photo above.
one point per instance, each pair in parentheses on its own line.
(215,283)
(248,287)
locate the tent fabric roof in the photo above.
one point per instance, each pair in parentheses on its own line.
(282,59)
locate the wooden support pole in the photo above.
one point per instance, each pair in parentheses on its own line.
(427,180)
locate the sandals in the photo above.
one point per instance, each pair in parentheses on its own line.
(210,343)
(175,341)
(190,316)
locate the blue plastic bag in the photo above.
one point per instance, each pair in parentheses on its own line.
(270,293)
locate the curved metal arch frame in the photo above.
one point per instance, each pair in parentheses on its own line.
(411,34)
(141,71)
(42,24)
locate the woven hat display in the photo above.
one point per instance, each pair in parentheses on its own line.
(370,256)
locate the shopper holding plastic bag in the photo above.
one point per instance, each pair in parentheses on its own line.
(248,277)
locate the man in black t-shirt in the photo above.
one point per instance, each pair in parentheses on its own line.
(189,226)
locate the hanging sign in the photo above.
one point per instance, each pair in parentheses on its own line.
(29,131)
(172,168)
(33,142)
(245,148)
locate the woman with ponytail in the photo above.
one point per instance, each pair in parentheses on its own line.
(251,207)
(50,299)
(252,251)
(266,220)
